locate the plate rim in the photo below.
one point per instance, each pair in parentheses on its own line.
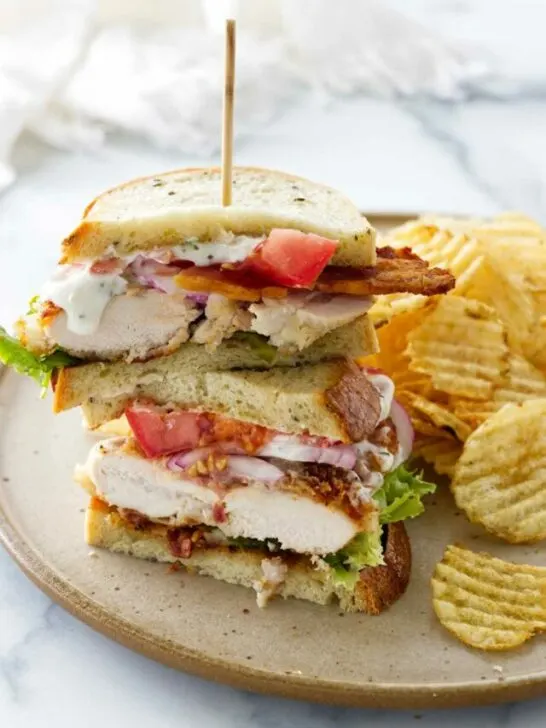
(368,695)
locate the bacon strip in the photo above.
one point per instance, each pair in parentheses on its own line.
(396,271)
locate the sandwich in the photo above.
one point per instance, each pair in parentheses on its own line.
(291,481)
(253,447)
(157,268)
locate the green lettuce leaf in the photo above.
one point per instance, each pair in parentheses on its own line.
(364,549)
(33,305)
(400,495)
(13,354)
(269,544)
(259,344)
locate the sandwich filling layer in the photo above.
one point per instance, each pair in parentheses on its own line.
(307,493)
(279,289)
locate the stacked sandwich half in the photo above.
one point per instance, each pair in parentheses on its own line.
(257,450)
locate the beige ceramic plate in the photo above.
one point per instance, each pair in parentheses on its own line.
(401,659)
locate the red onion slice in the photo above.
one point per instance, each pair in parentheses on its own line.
(199,298)
(153,274)
(238,466)
(244,466)
(404,429)
(288,447)
(184,460)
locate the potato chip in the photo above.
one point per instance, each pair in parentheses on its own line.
(438,415)
(488,603)
(522,381)
(393,338)
(535,347)
(480,256)
(445,248)
(518,244)
(462,346)
(500,478)
(473,412)
(441,452)
(493,285)
(385,308)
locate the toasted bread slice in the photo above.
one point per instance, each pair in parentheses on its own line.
(106,381)
(329,399)
(377,588)
(160,211)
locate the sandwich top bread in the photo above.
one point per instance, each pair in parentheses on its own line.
(166,209)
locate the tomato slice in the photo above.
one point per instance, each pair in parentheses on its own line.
(291,258)
(161,433)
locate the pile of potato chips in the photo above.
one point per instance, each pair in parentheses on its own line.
(470,368)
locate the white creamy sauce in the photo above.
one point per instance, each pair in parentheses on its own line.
(234,249)
(82,295)
(227,248)
(384,458)
(385,388)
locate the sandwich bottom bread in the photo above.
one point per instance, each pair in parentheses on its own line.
(292,482)
(285,574)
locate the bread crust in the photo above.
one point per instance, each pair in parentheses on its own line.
(101,231)
(377,589)
(286,400)
(380,587)
(76,385)
(356,402)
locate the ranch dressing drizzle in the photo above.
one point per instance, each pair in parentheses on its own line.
(227,248)
(82,295)
(385,387)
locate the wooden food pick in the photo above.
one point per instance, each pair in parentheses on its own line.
(227,126)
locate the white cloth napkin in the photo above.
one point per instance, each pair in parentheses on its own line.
(71,70)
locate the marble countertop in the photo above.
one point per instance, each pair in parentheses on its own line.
(480,156)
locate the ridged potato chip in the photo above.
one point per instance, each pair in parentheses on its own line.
(521,382)
(492,284)
(437,414)
(440,248)
(535,348)
(482,258)
(441,452)
(519,243)
(391,358)
(478,348)
(439,242)
(387,307)
(486,602)
(462,347)
(473,412)
(500,478)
